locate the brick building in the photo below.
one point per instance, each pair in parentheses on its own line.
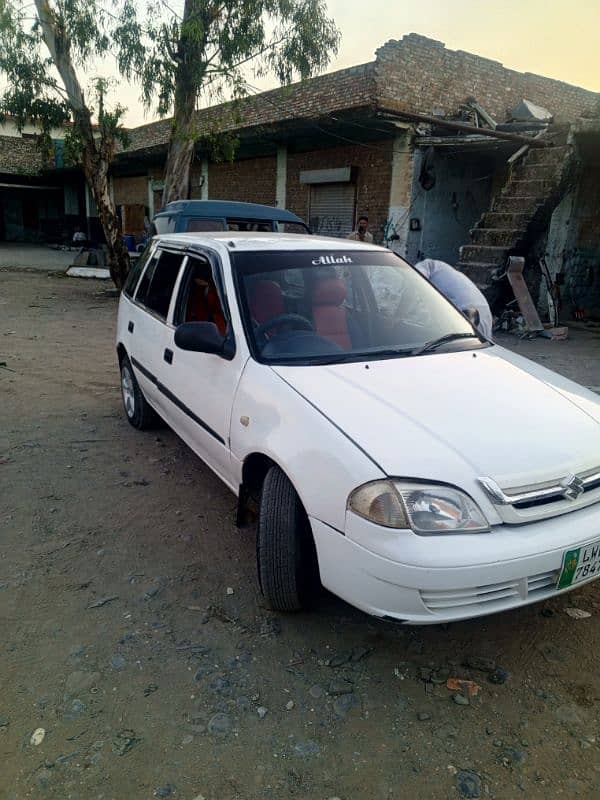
(378,139)
(358,141)
(40,200)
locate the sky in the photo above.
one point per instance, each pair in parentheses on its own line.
(556,39)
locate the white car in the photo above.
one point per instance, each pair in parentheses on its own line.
(393,455)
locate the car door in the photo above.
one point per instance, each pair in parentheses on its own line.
(201,386)
(147,342)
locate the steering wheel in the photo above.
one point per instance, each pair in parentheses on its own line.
(295,321)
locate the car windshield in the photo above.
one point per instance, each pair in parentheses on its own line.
(311,307)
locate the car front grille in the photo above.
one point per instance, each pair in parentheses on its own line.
(492,596)
(541,500)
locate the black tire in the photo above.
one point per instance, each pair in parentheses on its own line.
(138,412)
(288,570)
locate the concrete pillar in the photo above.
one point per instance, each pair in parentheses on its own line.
(400,193)
(204,174)
(281,185)
(91,210)
(150,198)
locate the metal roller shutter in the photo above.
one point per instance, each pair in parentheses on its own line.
(332,208)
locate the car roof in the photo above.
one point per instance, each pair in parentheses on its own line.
(235,241)
(226,208)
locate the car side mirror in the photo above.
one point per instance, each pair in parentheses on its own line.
(202,337)
(472,314)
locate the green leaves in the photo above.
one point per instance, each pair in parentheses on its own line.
(40,56)
(205,56)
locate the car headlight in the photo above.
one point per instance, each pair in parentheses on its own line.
(426,508)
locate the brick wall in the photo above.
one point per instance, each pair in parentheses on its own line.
(20,155)
(374,164)
(249,181)
(423,75)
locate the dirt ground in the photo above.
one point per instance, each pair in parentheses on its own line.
(132,632)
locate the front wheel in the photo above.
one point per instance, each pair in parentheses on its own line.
(138,412)
(288,569)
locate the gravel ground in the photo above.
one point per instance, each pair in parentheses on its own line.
(137,660)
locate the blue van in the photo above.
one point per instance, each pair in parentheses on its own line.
(186,216)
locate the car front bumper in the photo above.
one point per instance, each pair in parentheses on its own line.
(428,580)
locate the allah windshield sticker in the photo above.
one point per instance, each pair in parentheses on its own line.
(332,260)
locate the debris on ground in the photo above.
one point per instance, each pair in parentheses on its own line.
(467,688)
(577,613)
(498,676)
(468,784)
(480,663)
(37,737)
(124,741)
(104,601)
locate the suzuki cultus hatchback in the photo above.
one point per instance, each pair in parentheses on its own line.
(391,453)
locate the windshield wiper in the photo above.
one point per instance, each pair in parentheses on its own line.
(428,347)
(370,355)
(345,358)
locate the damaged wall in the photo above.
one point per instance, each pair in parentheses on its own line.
(446,213)
(573,245)
(424,75)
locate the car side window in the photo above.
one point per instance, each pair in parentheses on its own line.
(158,281)
(165,224)
(136,270)
(199,299)
(263,226)
(291,227)
(204,224)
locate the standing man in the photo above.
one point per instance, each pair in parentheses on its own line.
(361,234)
(457,288)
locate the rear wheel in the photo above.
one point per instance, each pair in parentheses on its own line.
(137,410)
(287,560)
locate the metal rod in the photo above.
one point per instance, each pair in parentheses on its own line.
(389,109)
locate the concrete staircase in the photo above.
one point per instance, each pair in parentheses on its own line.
(533,189)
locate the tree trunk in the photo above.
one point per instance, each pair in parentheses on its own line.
(179,164)
(188,80)
(181,148)
(96,173)
(97,153)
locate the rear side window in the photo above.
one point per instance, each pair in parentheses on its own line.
(199,224)
(292,227)
(165,224)
(136,270)
(156,286)
(246,225)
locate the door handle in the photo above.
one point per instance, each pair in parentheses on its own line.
(130,326)
(168,356)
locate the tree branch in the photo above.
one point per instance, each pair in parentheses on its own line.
(52,38)
(251,57)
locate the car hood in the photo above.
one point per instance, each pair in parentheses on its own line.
(454,416)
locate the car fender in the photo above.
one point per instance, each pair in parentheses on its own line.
(324,465)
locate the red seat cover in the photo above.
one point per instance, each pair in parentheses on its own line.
(204,306)
(197,309)
(329,315)
(215,309)
(266,301)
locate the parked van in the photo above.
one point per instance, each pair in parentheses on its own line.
(186,216)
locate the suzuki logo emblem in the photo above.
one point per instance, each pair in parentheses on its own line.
(573,487)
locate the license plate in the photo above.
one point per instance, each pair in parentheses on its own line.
(580,565)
